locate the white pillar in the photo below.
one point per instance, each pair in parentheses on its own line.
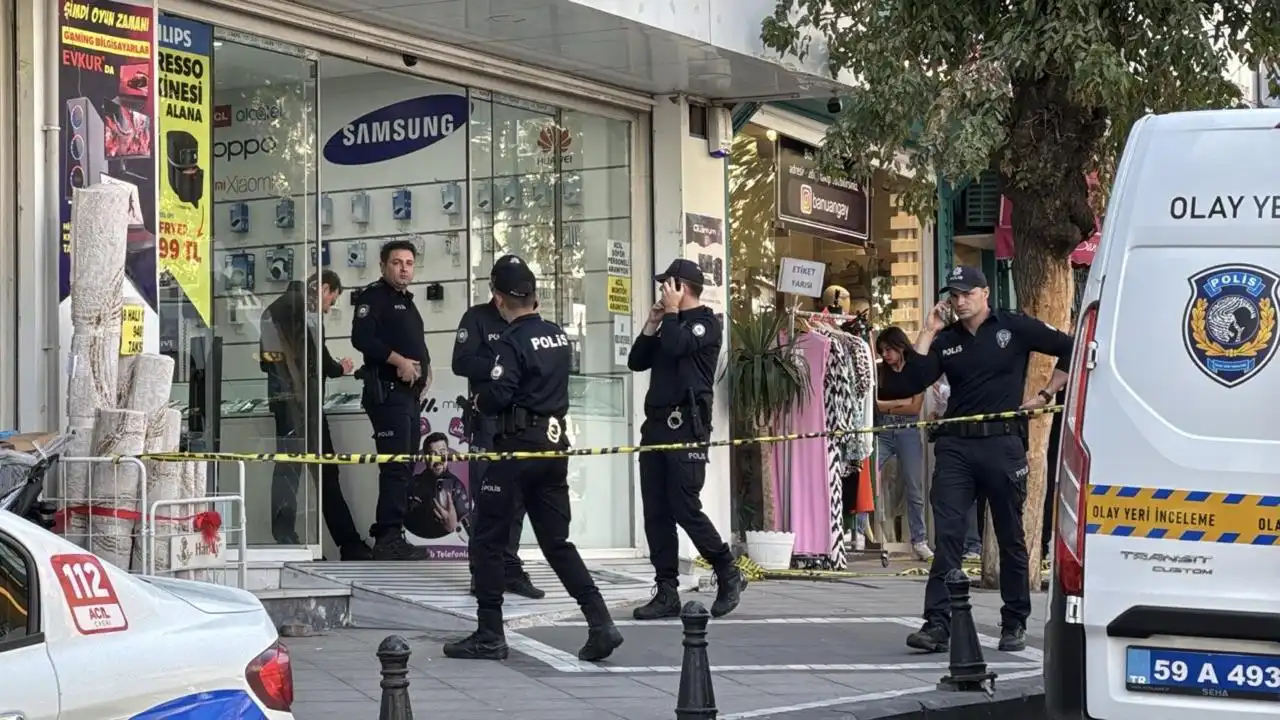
(688,180)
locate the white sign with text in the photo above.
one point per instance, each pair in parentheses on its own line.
(801,277)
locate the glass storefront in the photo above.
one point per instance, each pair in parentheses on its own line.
(316,161)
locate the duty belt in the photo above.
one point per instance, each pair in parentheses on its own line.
(516,420)
(675,417)
(981,429)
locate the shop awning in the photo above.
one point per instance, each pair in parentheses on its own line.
(1082,255)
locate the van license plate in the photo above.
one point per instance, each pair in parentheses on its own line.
(1203,674)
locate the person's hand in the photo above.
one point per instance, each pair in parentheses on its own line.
(671,296)
(348,367)
(1034,403)
(446,514)
(408,370)
(655,314)
(938,316)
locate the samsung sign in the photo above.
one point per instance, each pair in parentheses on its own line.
(397,130)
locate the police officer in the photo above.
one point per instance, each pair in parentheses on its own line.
(388,331)
(680,345)
(480,327)
(984,355)
(528,395)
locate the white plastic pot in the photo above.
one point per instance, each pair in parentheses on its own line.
(771,549)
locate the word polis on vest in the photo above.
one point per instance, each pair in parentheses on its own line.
(1225,207)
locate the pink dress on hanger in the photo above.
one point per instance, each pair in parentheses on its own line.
(810,493)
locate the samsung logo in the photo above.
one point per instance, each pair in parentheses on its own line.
(397,130)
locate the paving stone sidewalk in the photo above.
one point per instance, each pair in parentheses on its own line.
(793,650)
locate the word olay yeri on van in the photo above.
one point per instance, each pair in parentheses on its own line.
(1187,515)
(1229,328)
(1225,207)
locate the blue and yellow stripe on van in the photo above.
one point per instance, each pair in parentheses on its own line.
(1186,515)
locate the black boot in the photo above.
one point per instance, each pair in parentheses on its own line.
(393,546)
(729,587)
(488,642)
(665,603)
(603,636)
(932,637)
(521,585)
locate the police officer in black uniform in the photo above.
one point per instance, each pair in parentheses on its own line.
(680,345)
(984,355)
(388,331)
(479,328)
(528,395)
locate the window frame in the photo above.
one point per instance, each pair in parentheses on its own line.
(35,634)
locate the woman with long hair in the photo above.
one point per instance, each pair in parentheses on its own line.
(894,348)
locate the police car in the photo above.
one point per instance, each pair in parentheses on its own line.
(1165,597)
(80,638)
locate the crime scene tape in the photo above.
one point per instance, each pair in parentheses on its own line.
(371,459)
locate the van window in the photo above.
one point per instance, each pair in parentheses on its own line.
(15,593)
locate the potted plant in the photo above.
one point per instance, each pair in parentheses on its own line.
(765,382)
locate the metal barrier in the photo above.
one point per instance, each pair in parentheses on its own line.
(121,525)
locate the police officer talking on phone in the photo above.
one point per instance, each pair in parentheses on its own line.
(680,346)
(388,330)
(528,395)
(479,328)
(984,355)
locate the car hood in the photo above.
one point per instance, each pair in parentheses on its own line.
(206,597)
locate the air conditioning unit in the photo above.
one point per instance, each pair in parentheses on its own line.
(719,132)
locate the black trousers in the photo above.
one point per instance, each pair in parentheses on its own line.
(286,478)
(670,488)
(397,429)
(481,441)
(997,468)
(544,484)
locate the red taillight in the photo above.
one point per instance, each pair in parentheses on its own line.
(271,677)
(1073,464)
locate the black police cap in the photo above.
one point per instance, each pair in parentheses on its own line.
(511,276)
(964,278)
(685,270)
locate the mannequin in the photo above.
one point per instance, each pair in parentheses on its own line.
(836,300)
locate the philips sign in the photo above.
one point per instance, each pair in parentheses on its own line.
(397,130)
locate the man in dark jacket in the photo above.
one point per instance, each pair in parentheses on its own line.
(293,356)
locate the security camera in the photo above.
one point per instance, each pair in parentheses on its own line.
(408,60)
(834,105)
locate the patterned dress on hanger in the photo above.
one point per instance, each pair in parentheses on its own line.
(839,405)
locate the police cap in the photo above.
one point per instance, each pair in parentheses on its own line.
(964,278)
(684,270)
(511,276)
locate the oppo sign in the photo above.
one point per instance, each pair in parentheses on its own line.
(244,149)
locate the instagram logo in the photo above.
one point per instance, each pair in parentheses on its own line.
(806,199)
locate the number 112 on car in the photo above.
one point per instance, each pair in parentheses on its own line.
(1203,674)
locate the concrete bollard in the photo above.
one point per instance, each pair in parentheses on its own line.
(393,654)
(696,699)
(968,669)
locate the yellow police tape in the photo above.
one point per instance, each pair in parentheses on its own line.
(370,459)
(753,572)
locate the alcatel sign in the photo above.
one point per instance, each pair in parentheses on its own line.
(397,130)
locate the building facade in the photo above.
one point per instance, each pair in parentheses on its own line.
(294,137)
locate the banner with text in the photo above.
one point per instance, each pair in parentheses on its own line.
(817,204)
(108,133)
(185,143)
(704,245)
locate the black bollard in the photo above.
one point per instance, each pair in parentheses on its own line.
(393,654)
(696,699)
(968,669)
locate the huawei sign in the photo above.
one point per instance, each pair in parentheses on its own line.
(554,140)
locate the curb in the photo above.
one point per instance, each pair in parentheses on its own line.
(1022,699)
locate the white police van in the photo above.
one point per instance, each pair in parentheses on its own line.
(1165,597)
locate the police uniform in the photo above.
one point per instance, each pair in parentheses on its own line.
(681,359)
(481,326)
(387,320)
(987,372)
(528,395)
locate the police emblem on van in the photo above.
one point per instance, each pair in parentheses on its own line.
(1229,328)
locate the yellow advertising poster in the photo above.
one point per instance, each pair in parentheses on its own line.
(185,87)
(619,295)
(131,320)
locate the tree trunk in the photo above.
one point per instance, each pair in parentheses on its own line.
(769,521)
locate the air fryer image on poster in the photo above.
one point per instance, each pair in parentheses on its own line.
(186,179)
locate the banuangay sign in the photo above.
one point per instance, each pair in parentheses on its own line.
(811,202)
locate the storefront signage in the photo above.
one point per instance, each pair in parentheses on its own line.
(108,122)
(186,131)
(397,130)
(619,294)
(801,277)
(811,202)
(704,245)
(621,339)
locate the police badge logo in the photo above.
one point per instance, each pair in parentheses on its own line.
(699,330)
(362,311)
(1003,337)
(496,372)
(1229,328)
(462,335)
